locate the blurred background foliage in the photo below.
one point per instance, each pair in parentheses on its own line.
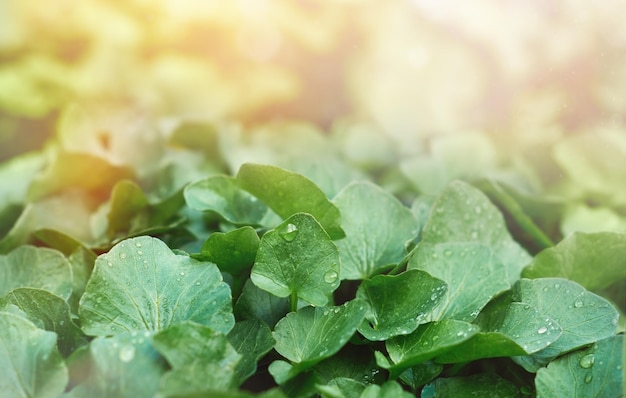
(412,92)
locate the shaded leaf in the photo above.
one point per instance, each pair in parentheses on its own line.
(252,339)
(372,243)
(398,304)
(288,193)
(297,258)
(42,268)
(256,303)
(29,359)
(141,285)
(480,385)
(201,359)
(233,251)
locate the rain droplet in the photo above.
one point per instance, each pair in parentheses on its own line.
(289,233)
(113,328)
(122,255)
(182,274)
(578,304)
(127,353)
(138,244)
(330,276)
(542,330)
(447,253)
(474,235)
(478,210)
(433,297)
(556,285)
(139,252)
(588,378)
(587,361)
(110,264)
(439,210)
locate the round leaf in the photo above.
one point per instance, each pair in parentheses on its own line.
(141,285)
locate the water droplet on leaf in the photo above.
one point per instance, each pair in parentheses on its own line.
(587,361)
(542,330)
(578,304)
(127,353)
(330,276)
(289,233)
(588,378)
(122,255)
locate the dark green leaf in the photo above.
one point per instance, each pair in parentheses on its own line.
(481,385)
(297,258)
(29,359)
(255,303)
(232,251)
(288,193)
(252,339)
(141,285)
(398,304)
(372,243)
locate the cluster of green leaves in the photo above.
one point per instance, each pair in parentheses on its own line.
(171,276)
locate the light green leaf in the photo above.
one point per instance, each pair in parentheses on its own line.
(16,175)
(252,339)
(473,273)
(517,329)
(464,214)
(297,258)
(122,366)
(42,268)
(221,195)
(594,260)
(31,365)
(583,316)
(372,243)
(592,372)
(428,341)
(398,304)
(201,359)
(127,200)
(52,312)
(288,193)
(480,385)
(141,285)
(256,303)
(233,251)
(341,387)
(312,334)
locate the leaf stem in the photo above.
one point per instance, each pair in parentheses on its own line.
(293,302)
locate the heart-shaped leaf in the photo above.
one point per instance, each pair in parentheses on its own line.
(141,285)
(297,258)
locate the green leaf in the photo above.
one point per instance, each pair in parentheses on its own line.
(256,303)
(480,385)
(428,341)
(473,273)
(222,195)
(16,175)
(141,285)
(29,359)
(372,243)
(464,214)
(390,389)
(594,260)
(398,304)
(341,387)
(122,366)
(42,268)
(233,251)
(288,193)
(201,359)
(199,136)
(421,374)
(127,200)
(351,363)
(583,316)
(297,258)
(52,312)
(592,372)
(252,339)
(312,334)
(517,329)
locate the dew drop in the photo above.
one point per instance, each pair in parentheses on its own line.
(138,244)
(545,289)
(447,253)
(113,328)
(139,252)
(478,210)
(556,285)
(289,233)
(110,264)
(330,276)
(122,255)
(588,378)
(182,274)
(474,235)
(587,361)
(542,330)
(127,353)
(440,210)
(578,304)
(433,297)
